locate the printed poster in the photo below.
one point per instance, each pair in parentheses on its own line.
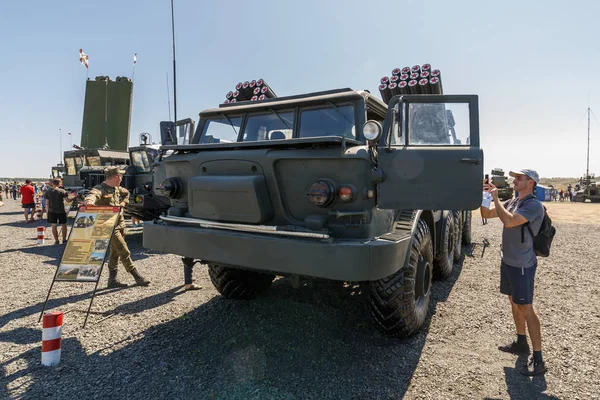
(88,244)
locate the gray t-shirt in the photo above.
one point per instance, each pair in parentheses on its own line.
(515,253)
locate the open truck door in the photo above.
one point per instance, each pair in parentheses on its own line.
(430,154)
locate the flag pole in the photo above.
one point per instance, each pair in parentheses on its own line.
(60,136)
(134,63)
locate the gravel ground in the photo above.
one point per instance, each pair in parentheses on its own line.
(313,342)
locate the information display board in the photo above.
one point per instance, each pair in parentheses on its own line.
(88,244)
(86,248)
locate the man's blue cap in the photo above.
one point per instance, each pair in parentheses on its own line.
(528,172)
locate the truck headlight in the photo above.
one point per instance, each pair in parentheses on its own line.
(170,187)
(372,130)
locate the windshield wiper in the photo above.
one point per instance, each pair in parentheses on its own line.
(282,120)
(339,112)
(230,123)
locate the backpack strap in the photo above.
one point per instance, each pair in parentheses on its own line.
(526,224)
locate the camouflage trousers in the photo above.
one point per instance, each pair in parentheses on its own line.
(119,250)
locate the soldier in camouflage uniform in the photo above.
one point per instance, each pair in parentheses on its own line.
(110,193)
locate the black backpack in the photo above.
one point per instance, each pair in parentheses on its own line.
(543,240)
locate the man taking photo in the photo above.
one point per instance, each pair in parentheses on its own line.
(519,262)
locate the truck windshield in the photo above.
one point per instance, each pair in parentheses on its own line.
(70,164)
(272,126)
(93,161)
(221,130)
(142,160)
(329,121)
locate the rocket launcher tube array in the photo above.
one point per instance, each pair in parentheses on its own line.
(418,79)
(254,90)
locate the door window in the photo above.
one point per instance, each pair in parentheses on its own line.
(438,124)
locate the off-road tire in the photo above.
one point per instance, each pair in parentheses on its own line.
(399,302)
(466,228)
(457,234)
(444,262)
(236,283)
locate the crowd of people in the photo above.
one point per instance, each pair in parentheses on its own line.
(54,200)
(567,194)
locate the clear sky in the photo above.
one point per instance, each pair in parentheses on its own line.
(534,65)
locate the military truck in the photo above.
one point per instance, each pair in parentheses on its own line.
(84,169)
(587,189)
(330,185)
(505,190)
(143,203)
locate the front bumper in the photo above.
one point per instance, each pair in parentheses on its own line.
(345,260)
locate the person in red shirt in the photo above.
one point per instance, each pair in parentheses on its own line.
(27,193)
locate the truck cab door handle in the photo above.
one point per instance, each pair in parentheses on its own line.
(471,160)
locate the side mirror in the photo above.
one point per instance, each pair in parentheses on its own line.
(167,133)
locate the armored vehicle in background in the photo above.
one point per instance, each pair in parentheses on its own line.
(505,190)
(587,189)
(331,185)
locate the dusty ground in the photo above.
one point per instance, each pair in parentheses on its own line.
(573,213)
(313,342)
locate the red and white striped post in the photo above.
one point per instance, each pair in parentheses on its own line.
(40,234)
(51,338)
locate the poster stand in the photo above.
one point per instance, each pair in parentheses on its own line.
(87,247)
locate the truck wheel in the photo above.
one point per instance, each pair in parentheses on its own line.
(457,234)
(399,302)
(442,266)
(466,229)
(236,283)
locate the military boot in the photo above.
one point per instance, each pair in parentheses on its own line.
(112,280)
(139,279)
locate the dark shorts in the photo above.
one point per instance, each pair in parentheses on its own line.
(60,218)
(30,205)
(518,283)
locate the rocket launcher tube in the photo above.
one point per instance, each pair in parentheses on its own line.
(403,87)
(413,87)
(393,87)
(424,86)
(267,91)
(385,93)
(435,85)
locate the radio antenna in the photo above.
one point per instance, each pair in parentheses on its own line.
(174,68)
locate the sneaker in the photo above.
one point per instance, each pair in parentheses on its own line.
(515,348)
(57,242)
(538,368)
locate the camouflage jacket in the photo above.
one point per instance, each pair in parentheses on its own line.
(104,195)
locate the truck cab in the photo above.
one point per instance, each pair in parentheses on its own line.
(335,185)
(84,168)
